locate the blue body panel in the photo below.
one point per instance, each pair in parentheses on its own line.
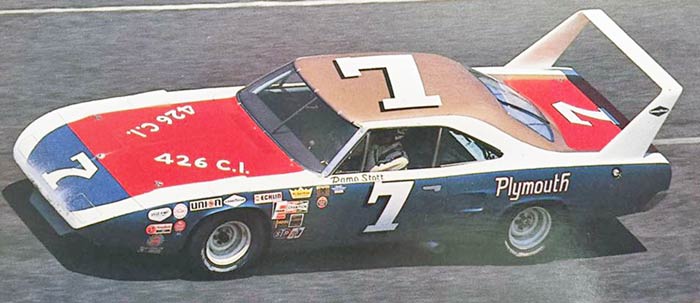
(462,207)
(53,153)
(468,204)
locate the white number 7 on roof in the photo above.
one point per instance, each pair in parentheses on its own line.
(403,79)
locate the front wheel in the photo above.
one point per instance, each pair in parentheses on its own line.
(529,231)
(227,242)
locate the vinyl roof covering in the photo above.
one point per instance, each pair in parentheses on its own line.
(358,99)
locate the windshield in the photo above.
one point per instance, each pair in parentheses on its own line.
(517,106)
(296,118)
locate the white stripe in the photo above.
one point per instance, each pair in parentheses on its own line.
(185,7)
(674,141)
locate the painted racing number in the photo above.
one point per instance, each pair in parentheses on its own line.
(87,170)
(398,194)
(402,77)
(571,113)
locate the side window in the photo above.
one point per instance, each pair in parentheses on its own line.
(392,149)
(456,147)
(420,143)
(354,162)
(413,148)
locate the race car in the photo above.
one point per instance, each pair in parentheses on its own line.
(353,148)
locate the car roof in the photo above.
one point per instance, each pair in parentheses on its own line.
(358,99)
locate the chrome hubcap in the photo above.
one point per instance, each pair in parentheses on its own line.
(529,228)
(228,243)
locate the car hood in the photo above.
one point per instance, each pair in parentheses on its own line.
(106,156)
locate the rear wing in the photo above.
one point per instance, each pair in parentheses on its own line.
(635,139)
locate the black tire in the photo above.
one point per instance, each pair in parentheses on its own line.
(211,258)
(534,231)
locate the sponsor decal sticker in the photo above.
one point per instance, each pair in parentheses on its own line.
(180,211)
(297,207)
(155,240)
(659,111)
(159,229)
(295,233)
(281,233)
(279,212)
(321,202)
(179,226)
(284,208)
(267,197)
(205,204)
(150,250)
(301,193)
(159,214)
(281,223)
(323,191)
(288,233)
(514,190)
(235,200)
(339,189)
(296,220)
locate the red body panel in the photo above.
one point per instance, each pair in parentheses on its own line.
(545,91)
(231,144)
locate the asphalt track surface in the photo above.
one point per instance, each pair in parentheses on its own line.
(51,60)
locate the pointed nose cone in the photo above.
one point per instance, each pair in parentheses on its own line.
(66,169)
(85,158)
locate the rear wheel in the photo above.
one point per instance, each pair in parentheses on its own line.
(529,231)
(228,242)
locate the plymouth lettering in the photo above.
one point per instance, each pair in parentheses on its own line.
(516,189)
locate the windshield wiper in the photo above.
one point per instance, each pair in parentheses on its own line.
(294,114)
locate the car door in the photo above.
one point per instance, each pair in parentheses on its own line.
(369,203)
(466,193)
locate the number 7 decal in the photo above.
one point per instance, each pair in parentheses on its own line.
(87,170)
(571,113)
(403,79)
(398,194)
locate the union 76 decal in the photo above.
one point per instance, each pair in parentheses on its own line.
(402,77)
